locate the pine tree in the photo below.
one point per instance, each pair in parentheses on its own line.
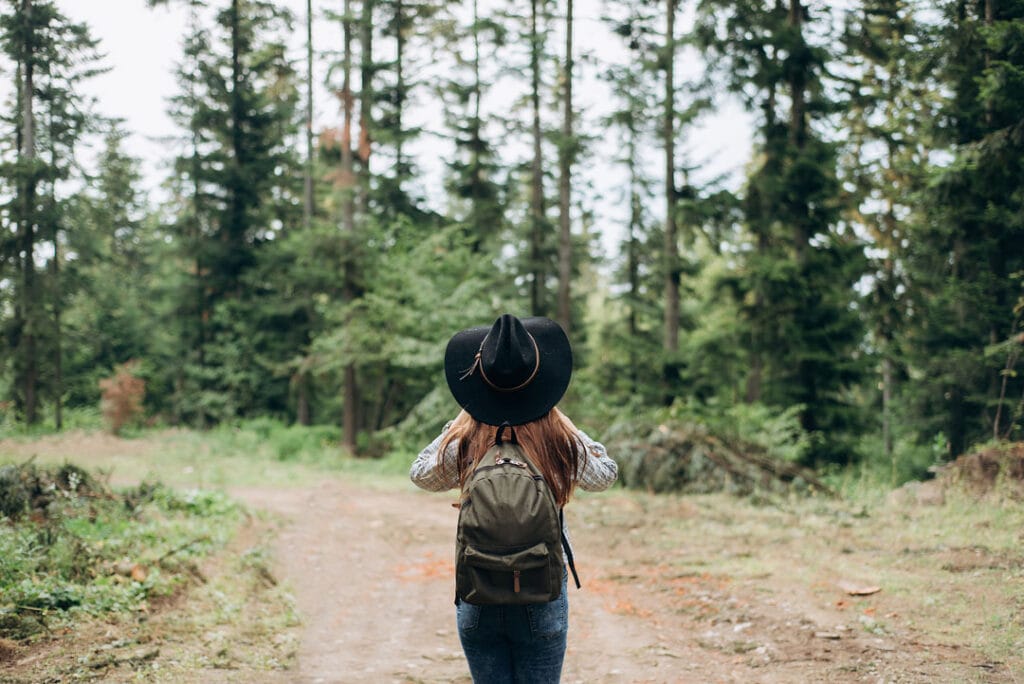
(965,250)
(51,56)
(478,199)
(633,344)
(346,184)
(885,156)
(796,283)
(111,285)
(239,186)
(406,24)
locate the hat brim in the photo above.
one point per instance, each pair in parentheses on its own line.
(494,407)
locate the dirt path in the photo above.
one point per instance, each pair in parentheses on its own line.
(371,572)
(372,576)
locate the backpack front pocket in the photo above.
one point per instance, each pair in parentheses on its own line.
(517,576)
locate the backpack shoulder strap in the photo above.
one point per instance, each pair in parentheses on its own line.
(567,548)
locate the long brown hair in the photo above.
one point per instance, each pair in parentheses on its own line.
(551,443)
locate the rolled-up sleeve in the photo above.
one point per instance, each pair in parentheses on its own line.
(426,472)
(597,470)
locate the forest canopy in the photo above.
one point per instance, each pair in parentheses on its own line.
(859,295)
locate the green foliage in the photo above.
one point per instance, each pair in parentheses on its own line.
(418,290)
(87,550)
(970,240)
(696,448)
(238,181)
(872,251)
(47,57)
(283,442)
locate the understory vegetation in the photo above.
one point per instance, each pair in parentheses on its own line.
(71,546)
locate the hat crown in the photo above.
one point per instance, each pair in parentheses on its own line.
(508,355)
(513,371)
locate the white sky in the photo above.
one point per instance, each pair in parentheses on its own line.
(142,46)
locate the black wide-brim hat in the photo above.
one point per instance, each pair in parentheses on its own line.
(514,371)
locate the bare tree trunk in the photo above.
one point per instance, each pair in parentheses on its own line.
(475,165)
(29,305)
(633,258)
(537,270)
(365,104)
(58,352)
(348,181)
(566,152)
(399,93)
(989,20)
(887,408)
(671,246)
(302,409)
(307,195)
(798,126)
(202,315)
(302,412)
(237,107)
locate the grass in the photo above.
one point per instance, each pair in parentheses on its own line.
(59,570)
(86,551)
(951,575)
(254,453)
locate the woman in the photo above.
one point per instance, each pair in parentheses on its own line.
(511,375)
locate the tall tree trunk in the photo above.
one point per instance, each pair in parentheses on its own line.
(307,195)
(303,415)
(633,258)
(197,230)
(27,154)
(671,246)
(988,18)
(566,152)
(302,409)
(399,93)
(475,135)
(366,69)
(755,375)
(798,126)
(236,206)
(58,332)
(537,270)
(348,181)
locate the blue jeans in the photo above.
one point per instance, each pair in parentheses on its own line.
(515,644)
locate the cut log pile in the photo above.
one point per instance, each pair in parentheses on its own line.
(28,489)
(687,459)
(996,470)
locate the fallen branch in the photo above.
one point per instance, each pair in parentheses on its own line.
(179,549)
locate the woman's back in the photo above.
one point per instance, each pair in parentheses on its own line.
(510,377)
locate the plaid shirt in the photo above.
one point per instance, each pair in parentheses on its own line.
(597,470)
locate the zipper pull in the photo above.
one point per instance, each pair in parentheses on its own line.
(515,581)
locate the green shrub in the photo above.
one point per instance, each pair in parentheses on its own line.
(84,548)
(295,441)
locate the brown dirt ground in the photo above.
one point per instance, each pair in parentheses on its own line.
(372,576)
(676,590)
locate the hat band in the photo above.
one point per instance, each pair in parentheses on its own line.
(477,364)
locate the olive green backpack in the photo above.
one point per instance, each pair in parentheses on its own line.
(509,544)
